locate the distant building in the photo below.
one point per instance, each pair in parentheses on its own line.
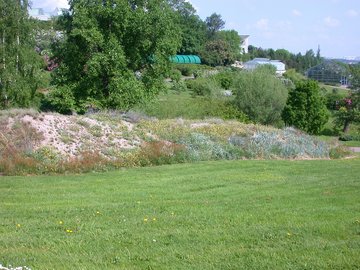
(253,64)
(244,45)
(329,72)
(40,14)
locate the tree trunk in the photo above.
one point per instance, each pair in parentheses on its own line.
(17,53)
(346,126)
(4,49)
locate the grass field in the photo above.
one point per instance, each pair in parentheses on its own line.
(211,215)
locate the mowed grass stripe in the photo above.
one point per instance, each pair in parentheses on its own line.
(209,215)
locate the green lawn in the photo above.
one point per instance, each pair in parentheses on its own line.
(211,215)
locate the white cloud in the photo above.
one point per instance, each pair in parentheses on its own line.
(331,22)
(262,24)
(352,13)
(296,13)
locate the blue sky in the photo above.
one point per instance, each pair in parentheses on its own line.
(293,25)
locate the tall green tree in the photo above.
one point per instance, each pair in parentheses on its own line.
(232,37)
(115,53)
(19,63)
(214,24)
(217,53)
(193,30)
(305,108)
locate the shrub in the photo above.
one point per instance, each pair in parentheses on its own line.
(161,152)
(202,147)
(186,69)
(339,152)
(175,75)
(202,86)
(260,95)
(60,100)
(349,137)
(305,108)
(287,143)
(225,79)
(179,86)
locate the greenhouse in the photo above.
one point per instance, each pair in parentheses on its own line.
(186,59)
(330,72)
(256,62)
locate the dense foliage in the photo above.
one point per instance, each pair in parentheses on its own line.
(297,61)
(115,54)
(260,95)
(191,28)
(349,108)
(305,108)
(19,63)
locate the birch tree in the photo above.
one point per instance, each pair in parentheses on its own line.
(19,62)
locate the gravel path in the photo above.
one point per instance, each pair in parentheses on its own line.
(355,149)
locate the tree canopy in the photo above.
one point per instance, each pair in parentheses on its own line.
(19,63)
(214,23)
(260,95)
(305,108)
(115,53)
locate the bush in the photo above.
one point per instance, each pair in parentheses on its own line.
(260,95)
(179,86)
(60,99)
(224,80)
(305,108)
(175,75)
(349,137)
(287,143)
(339,152)
(186,69)
(202,86)
(332,99)
(161,152)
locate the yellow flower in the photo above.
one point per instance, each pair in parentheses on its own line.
(61,222)
(154,219)
(145,219)
(288,234)
(98,212)
(18,225)
(69,231)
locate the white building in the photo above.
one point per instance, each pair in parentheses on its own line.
(253,64)
(244,45)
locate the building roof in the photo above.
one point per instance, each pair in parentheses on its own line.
(252,64)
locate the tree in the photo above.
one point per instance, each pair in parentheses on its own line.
(305,108)
(115,54)
(349,108)
(214,24)
(217,53)
(19,63)
(233,39)
(260,95)
(192,28)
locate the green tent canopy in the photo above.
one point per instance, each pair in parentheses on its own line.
(185,59)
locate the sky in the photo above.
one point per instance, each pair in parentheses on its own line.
(294,25)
